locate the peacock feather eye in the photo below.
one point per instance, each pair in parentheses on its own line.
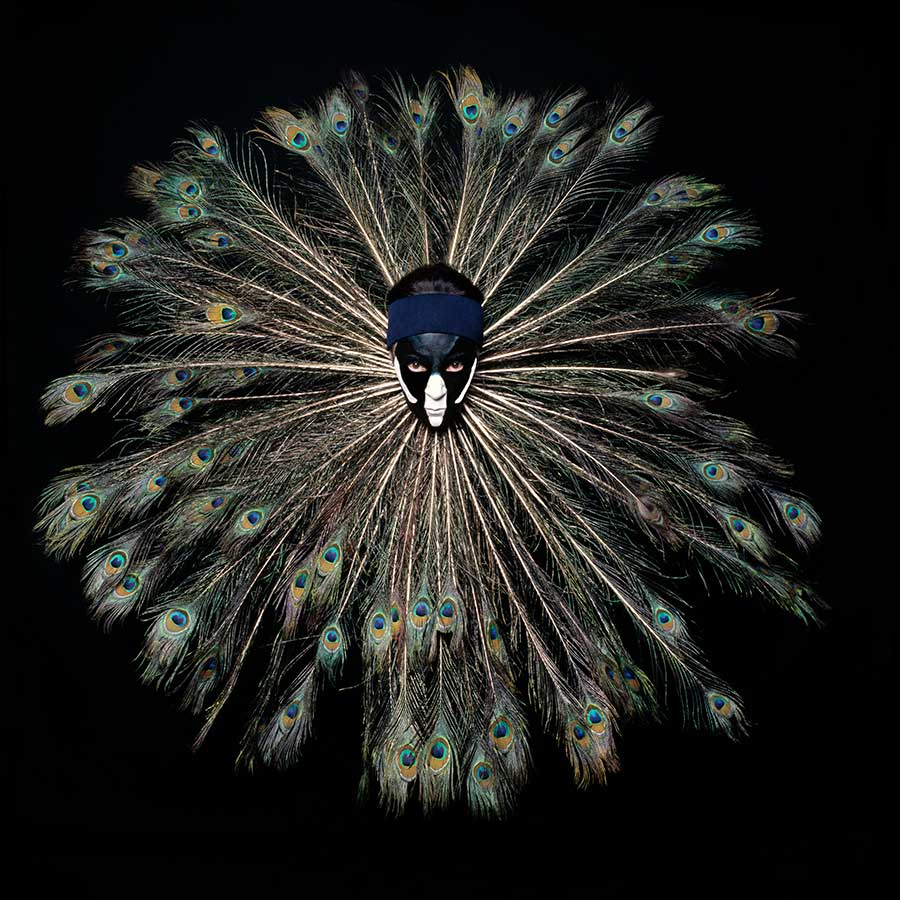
(579,734)
(201,457)
(438,754)
(177,621)
(417,113)
(732,307)
(740,527)
(794,514)
(77,392)
(208,669)
(555,116)
(396,621)
(407,762)
(470,107)
(251,519)
(108,270)
(328,559)
(447,614)
(340,123)
(297,138)
(210,147)
(115,250)
(659,400)
(664,620)
(622,130)
(189,189)
(596,719)
(360,90)
(290,715)
(720,704)
(559,152)
(155,483)
(79,487)
(115,562)
(493,636)
(331,639)
(611,672)
(180,405)
(85,506)
(300,585)
(483,775)
(657,195)
(210,506)
(189,211)
(501,733)
(631,679)
(222,314)
(512,126)
(245,373)
(378,625)
(715,234)
(178,376)
(714,471)
(762,323)
(390,143)
(421,612)
(128,586)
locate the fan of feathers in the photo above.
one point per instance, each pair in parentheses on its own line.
(273,493)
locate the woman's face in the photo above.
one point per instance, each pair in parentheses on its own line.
(435,371)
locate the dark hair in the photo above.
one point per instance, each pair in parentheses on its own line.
(437,278)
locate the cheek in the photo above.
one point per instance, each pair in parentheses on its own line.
(456,381)
(415,382)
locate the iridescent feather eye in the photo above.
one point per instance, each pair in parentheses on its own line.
(720,704)
(420,613)
(622,130)
(470,107)
(178,376)
(79,487)
(180,405)
(390,143)
(155,483)
(210,147)
(596,719)
(555,116)
(657,195)
(222,314)
(714,471)
(501,733)
(85,506)
(115,563)
(579,734)
(762,323)
(631,679)
(715,234)
(732,307)
(115,250)
(201,457)
(447,614)
(218,240)
(208,507)
(297,138)
(396,621)
(794,514)
(108,270)
(251,520)
(340,123)
(77,392)
(177,621)
(331,639)
(300,585)
(659,400)
(378,626)
(189,189)
(740,527)
(664,620)
(417,113)
(483,775)
(493,636)
(407,762)
(512,126)
(559,152)
(189,211)
(208,669)
(127,587)
(328,559)
(438,754)
(290,715)
(245,373)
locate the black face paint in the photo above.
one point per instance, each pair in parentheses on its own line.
(435,369)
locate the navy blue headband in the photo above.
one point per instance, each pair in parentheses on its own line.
(442,313)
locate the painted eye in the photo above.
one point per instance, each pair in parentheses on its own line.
(454,367)
(415,366)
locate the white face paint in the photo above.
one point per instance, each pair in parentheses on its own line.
(435,400)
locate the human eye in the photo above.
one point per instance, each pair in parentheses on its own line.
(456,366)
(414,365)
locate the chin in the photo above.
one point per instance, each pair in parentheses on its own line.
(436,417)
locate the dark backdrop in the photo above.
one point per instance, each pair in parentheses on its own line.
(790,112)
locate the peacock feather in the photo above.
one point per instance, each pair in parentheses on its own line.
(506,572)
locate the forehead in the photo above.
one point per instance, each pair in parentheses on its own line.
(433,345)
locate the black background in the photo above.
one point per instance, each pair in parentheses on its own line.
(787,109)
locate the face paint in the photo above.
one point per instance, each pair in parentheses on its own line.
(435,371)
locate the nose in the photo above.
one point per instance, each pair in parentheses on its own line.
(435,389)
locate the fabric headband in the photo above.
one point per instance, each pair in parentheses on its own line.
(441,313)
